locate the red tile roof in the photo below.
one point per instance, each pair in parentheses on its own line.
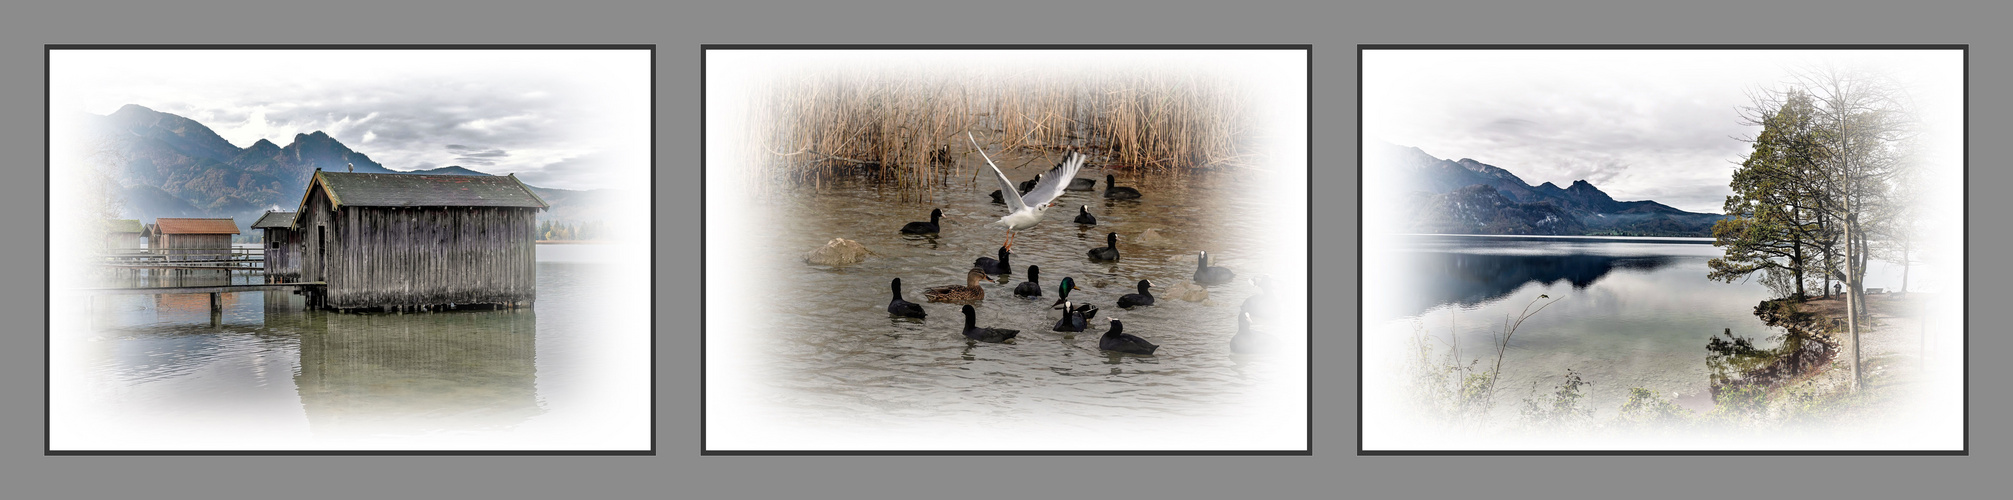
(196,226)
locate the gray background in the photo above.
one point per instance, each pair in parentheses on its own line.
(1333,28)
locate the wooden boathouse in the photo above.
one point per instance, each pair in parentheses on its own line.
(123,235)
(282,246)
(192,239)
(410,242)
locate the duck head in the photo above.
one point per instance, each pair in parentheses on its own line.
(1067,285)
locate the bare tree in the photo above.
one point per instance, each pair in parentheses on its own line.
(1866,132)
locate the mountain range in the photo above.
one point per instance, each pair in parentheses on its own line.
(1470,197)
(167,165)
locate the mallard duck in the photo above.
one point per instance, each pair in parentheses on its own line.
(1248,341)
(930,227)
(994,266)
(1068,283)
(1109,251)
(1114,191)
(1210,275)
(1031,287)
(1143,298)
(901,307)
(1083,215)
(994,335)
(1116,339)
(1072,321)
(969,292)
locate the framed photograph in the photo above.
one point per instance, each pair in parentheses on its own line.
(1007,250)
(350,249)
(1663,250)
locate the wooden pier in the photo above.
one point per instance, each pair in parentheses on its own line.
(215,291)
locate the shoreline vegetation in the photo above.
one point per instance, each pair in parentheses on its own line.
(902,129)
(1803,379)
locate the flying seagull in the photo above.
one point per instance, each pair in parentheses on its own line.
(1026,210)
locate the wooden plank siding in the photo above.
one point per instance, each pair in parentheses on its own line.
(193,246)
(281,248)
(417,257)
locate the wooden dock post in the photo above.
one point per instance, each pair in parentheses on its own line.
(216,302)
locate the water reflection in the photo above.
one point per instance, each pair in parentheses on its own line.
(1471,279)
(416,373)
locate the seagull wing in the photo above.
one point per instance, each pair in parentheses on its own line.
(1007,190)
(1053,182)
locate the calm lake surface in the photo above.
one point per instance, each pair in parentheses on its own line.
(160,371)
(1633,312)
(827,353)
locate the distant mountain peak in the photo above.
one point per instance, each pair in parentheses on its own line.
(177,167)
(1469,196)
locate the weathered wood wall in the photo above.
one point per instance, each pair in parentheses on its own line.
(194,246)
(122,242)
(281,247)
(411,257)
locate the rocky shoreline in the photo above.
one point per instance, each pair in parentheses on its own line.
(1815,335)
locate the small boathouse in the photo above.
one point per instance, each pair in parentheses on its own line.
(282,246)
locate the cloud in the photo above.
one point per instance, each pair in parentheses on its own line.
(473,156)
(588,171)
(508,111)
(1637,125)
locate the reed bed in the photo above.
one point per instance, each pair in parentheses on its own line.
(906,130)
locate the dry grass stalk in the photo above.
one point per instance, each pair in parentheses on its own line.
(898,130)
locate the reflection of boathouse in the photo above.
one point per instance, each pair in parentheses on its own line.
(412,242)
(282,244)
(410,374)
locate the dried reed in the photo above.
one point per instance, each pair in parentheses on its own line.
(900,129)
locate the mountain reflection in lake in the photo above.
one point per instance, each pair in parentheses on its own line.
(161,372)
(1471,279)
(1635,312)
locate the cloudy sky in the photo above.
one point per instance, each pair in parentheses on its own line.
(1659,125)
(572,119)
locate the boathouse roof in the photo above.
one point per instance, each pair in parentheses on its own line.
(275,220)
(422,190)
(166,225)
(122,226)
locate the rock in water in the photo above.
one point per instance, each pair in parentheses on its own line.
(1190,291)
(1153,237)
(838,252)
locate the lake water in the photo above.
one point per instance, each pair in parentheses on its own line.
(822,353)
(160,372)
(1631,312)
